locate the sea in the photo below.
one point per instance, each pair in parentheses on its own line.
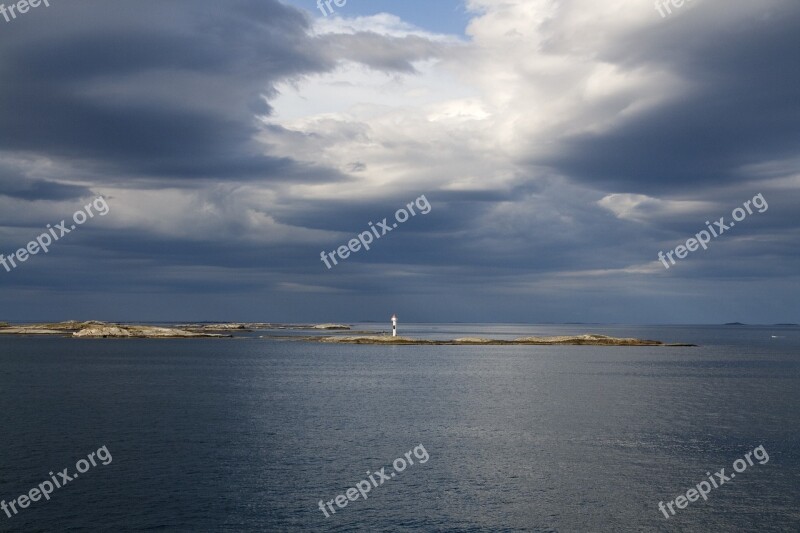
(271,432)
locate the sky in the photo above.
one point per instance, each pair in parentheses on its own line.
(551,150)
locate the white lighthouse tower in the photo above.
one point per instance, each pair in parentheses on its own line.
(394,325)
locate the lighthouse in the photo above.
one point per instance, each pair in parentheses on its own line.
(394,325)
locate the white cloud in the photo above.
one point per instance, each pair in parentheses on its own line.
(530,75)
(642,208)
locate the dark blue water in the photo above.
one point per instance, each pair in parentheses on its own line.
(249,434)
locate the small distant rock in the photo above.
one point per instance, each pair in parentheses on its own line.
(234,326)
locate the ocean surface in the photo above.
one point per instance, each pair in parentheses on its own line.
(249,434)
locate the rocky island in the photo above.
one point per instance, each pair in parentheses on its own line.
(96,329)
(571,340)
(252,326)
(103,330)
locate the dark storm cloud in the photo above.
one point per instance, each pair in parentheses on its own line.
(168,95)
(742,107)
(58,80)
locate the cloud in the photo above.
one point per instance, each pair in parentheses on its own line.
(642,208)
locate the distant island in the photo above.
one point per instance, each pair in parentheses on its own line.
(574,340)
(740,324)
(104,330)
